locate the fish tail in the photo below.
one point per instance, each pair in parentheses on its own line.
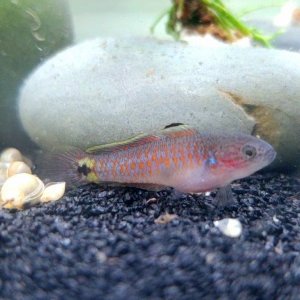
(61,166)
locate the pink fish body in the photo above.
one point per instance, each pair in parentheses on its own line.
(178,157)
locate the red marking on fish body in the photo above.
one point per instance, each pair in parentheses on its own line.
(167,162)
(122,169)
(175,160)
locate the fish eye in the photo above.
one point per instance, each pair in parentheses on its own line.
(249,151)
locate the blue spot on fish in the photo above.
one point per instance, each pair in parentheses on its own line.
(211,161)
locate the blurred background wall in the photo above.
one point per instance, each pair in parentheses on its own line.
(134,17)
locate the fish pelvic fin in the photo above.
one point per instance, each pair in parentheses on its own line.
(224,196)
(71,165)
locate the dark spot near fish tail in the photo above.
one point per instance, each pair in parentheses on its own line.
(83,170)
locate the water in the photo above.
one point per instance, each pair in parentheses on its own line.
(135,17)
(116,241)
(34,30)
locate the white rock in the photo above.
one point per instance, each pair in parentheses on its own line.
(104,90)
(230,227)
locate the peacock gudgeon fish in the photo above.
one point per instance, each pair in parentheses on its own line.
(178,157)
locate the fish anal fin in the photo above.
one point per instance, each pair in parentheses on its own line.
(148,186)
(143,186)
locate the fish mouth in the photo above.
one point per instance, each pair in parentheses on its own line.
(270,155)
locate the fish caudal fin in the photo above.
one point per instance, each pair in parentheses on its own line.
(60,166)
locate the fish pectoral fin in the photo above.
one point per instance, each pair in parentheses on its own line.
(224,196)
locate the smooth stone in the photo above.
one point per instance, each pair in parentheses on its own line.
(106,90)
(31,31)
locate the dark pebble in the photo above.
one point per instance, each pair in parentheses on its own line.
(104,244)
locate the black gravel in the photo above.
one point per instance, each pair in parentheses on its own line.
(105,244)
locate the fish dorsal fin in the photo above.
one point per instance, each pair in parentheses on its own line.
(132,142)
(179,131)
(143,139)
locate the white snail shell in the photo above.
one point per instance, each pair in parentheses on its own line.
(21,189)
(10,154)
(3,172)
(53,191)
(18,167)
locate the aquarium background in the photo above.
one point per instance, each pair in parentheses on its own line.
(135,17)
(126,243)
(32,31)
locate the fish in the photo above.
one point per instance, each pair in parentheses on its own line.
(180,157)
